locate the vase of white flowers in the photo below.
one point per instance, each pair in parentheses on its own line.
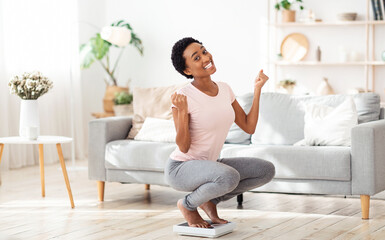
(29,87)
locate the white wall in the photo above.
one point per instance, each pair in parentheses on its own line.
(230,30)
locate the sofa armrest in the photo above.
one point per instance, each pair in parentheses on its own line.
(102,131)
(368,158)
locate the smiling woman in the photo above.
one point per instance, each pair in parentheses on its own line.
(39,37)
(203,112)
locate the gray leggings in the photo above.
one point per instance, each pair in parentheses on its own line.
(216,181)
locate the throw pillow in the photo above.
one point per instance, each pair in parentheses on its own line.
(157,130)
(151,102)
(328,126)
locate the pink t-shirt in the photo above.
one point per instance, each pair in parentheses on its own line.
(210,121)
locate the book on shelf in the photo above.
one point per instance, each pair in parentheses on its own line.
(378,9)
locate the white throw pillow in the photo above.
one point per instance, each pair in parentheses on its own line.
(157,130)
(328,126)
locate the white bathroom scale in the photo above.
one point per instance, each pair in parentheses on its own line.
(217,230)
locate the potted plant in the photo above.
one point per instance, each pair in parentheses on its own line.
(288,15)
(287,84)
(122,104)
(97,50)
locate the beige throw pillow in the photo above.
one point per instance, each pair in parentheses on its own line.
(151,102)
(157,130)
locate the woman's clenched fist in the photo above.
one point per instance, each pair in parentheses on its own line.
(180,101)
(260,80)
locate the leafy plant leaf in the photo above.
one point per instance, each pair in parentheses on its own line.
(99,46)
(86,55)
(117,23)
(277,6)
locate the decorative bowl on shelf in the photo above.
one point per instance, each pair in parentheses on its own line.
(348,16)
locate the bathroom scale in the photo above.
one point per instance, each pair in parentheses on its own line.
(215,231)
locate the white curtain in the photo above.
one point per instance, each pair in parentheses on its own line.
(41,35)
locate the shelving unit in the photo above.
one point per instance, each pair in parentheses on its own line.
(369,63)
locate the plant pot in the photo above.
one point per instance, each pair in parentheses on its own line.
(124,110)
(108,100)
(29,125)
(288,15)
(289,89)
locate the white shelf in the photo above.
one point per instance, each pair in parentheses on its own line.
(380,22)
(313,63)
(321,24)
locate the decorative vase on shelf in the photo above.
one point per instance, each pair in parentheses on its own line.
(324,88)
(29,118)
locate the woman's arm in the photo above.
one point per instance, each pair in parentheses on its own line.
(181,121)
(248,122)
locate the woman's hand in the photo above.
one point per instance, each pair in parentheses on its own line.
(260,80)
(180,101)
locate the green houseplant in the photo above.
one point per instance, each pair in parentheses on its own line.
(288,84)
(122,98)
(122,104)
(97,49)
(288,15)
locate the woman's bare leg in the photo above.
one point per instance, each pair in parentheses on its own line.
(192,217)
(211,211)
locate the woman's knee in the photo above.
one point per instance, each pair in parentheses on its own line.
(229,179)
(270,170)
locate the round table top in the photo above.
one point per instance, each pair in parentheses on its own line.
(39,140)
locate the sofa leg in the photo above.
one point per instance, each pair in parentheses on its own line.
(365,203)
(101,190)
(240,199)
(147,186)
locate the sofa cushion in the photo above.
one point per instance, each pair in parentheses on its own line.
(236,134)
(151,102)
(328,126)
(281,116)
(296,162)
(157,130)
(138,155)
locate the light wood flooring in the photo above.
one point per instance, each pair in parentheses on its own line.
(130,212)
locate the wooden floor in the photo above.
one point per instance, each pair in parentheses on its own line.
(130,212)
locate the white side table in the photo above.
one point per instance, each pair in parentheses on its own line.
(41,140)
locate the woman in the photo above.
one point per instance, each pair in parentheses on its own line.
(203,112)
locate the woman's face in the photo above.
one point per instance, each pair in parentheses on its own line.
(199,62)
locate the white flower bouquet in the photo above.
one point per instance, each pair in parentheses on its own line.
(30,86)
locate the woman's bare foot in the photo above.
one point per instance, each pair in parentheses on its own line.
(211,211)
(192,217)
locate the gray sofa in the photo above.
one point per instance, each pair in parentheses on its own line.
(337,170)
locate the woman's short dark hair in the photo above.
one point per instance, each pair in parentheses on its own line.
(177,58)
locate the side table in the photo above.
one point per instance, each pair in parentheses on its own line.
(41,140)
